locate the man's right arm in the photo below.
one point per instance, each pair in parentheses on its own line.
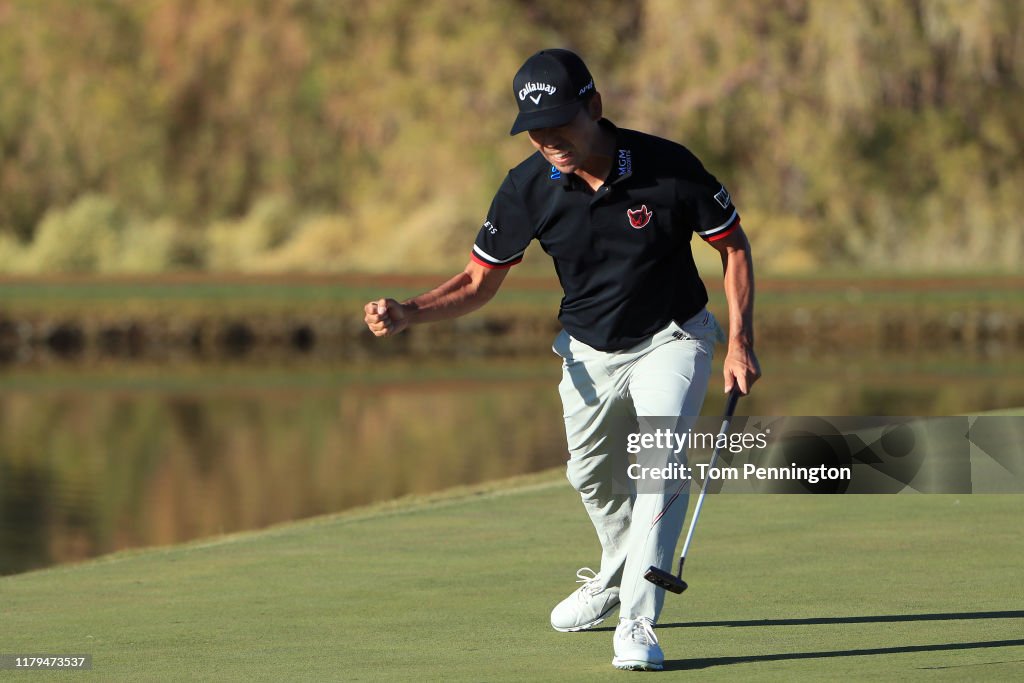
(462,294)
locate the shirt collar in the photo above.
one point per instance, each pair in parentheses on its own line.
(622,162)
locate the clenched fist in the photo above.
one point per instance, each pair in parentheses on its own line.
(385,317)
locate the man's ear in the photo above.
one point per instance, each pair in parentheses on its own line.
(594,107)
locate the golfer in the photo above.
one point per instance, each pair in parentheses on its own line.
(616,210)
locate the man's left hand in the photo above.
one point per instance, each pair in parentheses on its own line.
(741,368)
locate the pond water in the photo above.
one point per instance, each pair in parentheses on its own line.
(100,458)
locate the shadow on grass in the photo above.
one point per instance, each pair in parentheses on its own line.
(878,619)
(708,662)
(814,621)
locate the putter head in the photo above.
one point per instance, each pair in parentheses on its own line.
(667,580)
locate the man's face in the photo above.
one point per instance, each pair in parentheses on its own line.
(567,147)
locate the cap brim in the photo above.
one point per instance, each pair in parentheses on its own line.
(546,118)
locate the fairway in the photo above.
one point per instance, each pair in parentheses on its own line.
(458,586)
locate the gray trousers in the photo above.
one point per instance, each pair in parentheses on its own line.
(604,395)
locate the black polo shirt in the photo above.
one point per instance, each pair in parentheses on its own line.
(622,253)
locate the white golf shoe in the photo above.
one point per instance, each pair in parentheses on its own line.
(587,606)
(636,646)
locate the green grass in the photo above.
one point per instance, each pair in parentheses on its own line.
(241,294)
(143,295)
(459,586)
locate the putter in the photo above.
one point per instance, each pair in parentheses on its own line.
(667,580)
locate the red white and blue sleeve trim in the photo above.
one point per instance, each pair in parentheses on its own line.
(723,230)
(488,261)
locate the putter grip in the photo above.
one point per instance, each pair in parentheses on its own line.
(730,405)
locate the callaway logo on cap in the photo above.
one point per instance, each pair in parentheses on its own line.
(550,89)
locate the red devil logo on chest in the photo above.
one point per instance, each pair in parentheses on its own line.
(638,218)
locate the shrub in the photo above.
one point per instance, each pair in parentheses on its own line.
(82,238)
